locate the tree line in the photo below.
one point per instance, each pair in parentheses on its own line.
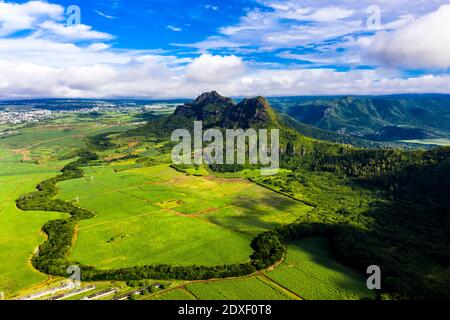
(52,257)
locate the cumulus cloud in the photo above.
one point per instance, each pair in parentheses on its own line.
(16,17)
(50,53)
(214,69)
(423,43)
(99,46)
(44,20)
(70,33)
(167,77)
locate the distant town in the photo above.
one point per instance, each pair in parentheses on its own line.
(17,113)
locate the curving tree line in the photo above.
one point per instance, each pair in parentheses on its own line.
(52,257)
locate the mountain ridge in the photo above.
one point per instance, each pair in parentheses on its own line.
(216,111)
(379,118)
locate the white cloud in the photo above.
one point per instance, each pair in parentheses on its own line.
(324,59)
(211,7)
(16,17)
(423,43)
(330,14)
(173,28)
(155,76)
(99,46)
(44,20)
(47,52)
(210,43)
(70,33)
(255,20)
(269,29)
(286,24)
(104,15)
(214,69)
(299,11)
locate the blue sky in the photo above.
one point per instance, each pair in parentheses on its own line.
(147,24)
(168,49)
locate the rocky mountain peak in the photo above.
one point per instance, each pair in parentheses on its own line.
(213,97)
(216,110)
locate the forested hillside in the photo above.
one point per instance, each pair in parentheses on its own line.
(383,118)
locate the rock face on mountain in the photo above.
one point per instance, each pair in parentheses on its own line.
(208,107)
(216,110)
(213,98)
(252,112)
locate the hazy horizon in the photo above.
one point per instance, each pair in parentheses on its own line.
(181,99)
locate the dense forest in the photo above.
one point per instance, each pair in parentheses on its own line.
(407,232)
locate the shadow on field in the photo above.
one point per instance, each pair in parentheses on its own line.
(248,213)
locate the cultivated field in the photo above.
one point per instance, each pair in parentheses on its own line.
(19,231)
(178,294)
(158,215)
(252,288)
(25,160)
(310,271)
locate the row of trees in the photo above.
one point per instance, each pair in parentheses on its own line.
(52,257)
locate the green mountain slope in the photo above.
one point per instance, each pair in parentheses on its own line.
(216,111)
(384,118)
(330,136)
